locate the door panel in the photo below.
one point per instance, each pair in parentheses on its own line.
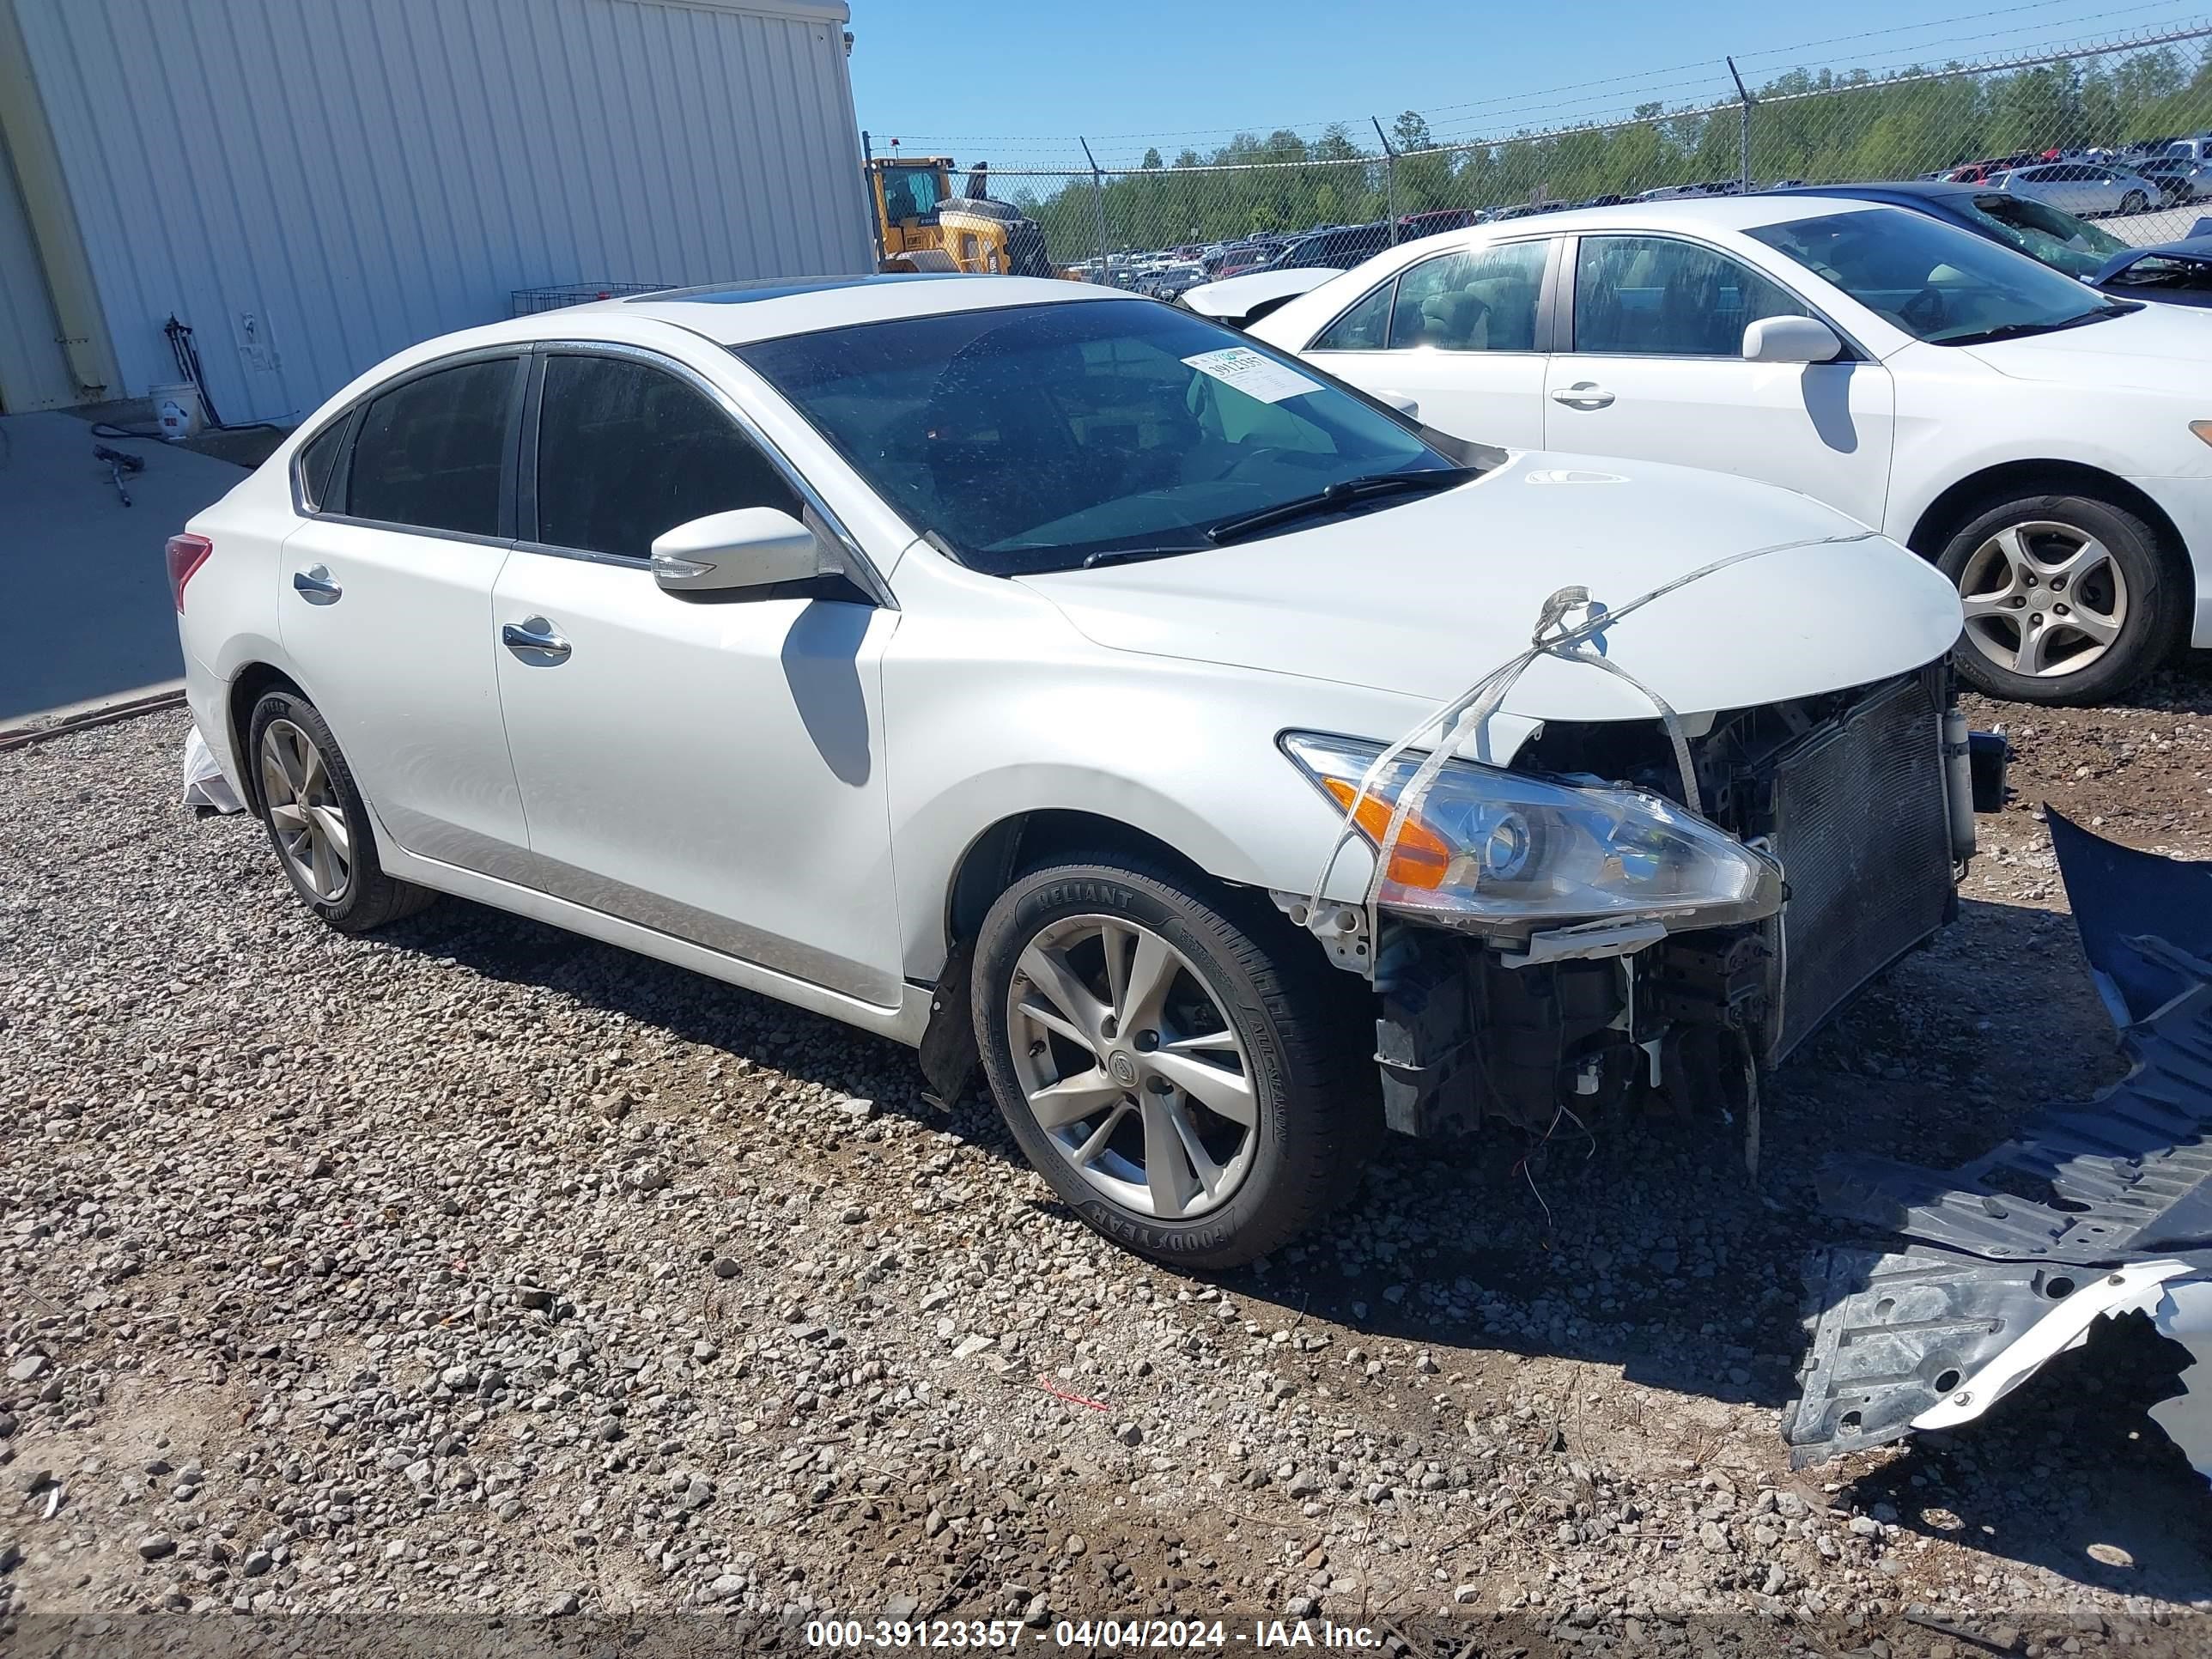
(714,771)
(1670,384)
(399,661)
(1490,398)
(708,765)
(1823,428)
(385,603)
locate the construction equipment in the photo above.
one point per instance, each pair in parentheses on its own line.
(920,225)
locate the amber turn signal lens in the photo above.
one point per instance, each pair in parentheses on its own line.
(1419,859)
(2202,429)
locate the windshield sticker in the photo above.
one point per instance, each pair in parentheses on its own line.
(1253,375)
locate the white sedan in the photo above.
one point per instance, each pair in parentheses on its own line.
(2048,447)
(994,665)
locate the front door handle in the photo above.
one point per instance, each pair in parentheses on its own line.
(1582,394)
(315,586)
(533,638)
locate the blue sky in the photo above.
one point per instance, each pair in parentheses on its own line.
(1011,82)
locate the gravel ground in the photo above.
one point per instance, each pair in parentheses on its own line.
(474,1268)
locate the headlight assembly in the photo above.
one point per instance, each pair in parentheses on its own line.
(1493,852)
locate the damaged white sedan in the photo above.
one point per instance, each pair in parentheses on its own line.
(994,664)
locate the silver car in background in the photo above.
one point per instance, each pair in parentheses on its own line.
(2088,189)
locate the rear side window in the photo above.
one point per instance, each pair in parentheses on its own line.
(626,452)
(1483,301)
(431,453)
(317,462)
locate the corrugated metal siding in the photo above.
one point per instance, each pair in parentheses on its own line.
(33,374)
(361,174)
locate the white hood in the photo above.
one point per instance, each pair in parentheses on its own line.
(2161,347)
(1424,598)
(1233,300)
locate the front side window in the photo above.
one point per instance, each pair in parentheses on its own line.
(1029,437)
(1482,300)
(1934,280)
(432,452)
(1654,296)
(2042,231)
(627,452)
(1362,328)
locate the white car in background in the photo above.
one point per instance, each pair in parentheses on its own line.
(2048,446)
(2089,189)
(1000,665)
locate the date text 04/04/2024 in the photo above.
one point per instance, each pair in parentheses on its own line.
(1090,1634)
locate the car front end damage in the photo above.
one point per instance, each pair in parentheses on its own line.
(2089,1212)
(1857,802)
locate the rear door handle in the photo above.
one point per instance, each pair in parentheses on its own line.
(315,586)
(533,638)
(1582,394)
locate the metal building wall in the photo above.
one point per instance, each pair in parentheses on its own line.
(313,184)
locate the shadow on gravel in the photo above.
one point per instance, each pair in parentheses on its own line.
(1640,1246)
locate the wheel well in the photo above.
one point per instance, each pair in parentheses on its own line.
(255,681)
(1031,838)
(1967,497)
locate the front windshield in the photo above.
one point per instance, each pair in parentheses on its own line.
(2042,231)
(1034,437)
(1936,282)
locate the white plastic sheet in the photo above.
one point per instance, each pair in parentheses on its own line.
(204,783)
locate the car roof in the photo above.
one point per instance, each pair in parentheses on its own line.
(1887,189)
(1688,214)
(737,314)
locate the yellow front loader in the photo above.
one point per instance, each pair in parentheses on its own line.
(920,225)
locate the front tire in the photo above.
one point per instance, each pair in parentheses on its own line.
(317,821)
(1177,1064)
(2134,201)
(2068,600)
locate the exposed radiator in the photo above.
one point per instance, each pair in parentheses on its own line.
(1861,830)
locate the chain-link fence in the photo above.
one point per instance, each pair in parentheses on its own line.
(2112,131)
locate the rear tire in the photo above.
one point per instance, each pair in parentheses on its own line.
(317,821)
(1224,997)
(2028,637)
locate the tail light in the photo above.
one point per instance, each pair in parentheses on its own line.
(187,553)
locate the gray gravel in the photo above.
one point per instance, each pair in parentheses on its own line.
(472,1267)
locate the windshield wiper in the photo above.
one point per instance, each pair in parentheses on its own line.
(1338,496)
(2016,331)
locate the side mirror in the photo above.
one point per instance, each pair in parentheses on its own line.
(1790,340)
(750,547)
(1409,407)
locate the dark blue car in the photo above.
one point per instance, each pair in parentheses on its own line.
(2180,272)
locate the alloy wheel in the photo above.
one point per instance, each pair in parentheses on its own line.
(2043,599)
(1131,1068)
(305,811)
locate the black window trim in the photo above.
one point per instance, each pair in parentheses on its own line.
(341,423)
(1544,282)
(341,474)
(1569,268)
(861,568)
